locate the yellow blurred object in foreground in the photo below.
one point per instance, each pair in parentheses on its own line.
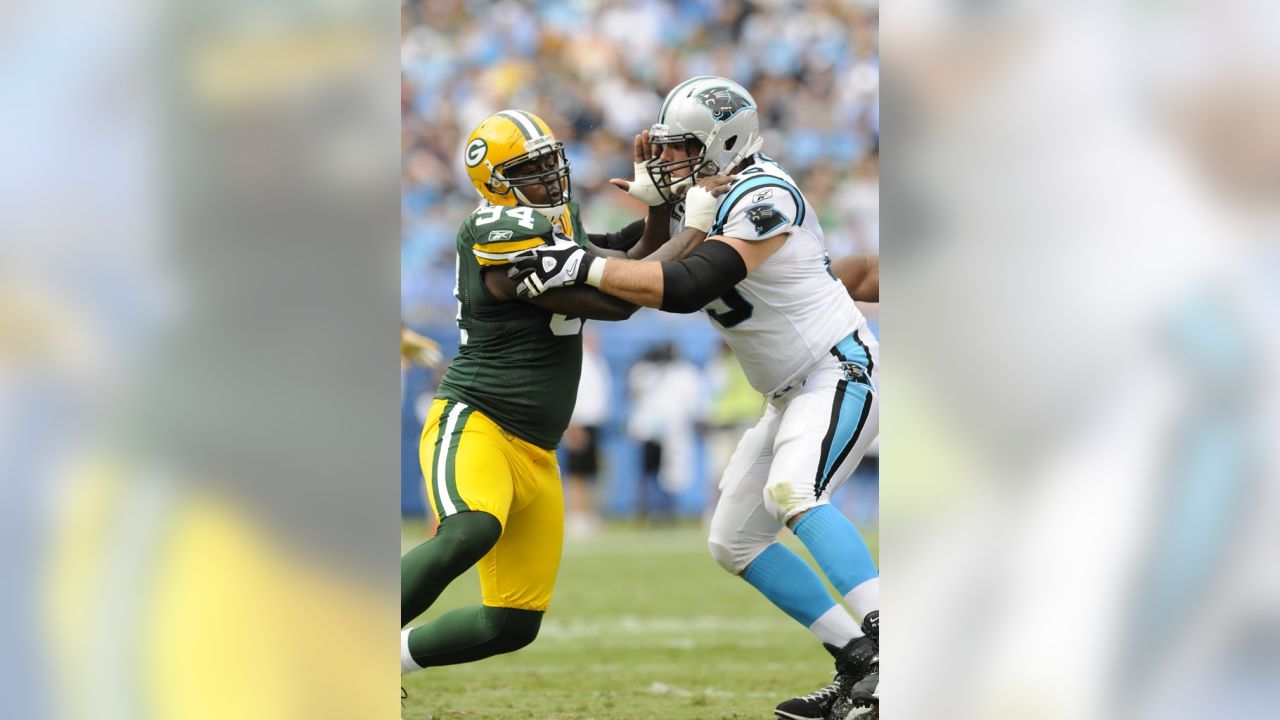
(174,606)
(419,349)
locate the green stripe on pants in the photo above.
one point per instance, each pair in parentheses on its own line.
(451,479)
(435,459)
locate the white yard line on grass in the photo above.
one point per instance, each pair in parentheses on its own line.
(661,688)
(655,627)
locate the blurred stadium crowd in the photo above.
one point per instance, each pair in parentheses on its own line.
(596,71)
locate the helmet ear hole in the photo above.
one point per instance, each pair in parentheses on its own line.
(728,144)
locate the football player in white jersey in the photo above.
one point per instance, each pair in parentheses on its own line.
(764,278)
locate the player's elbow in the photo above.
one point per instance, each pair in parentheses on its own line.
(865,291)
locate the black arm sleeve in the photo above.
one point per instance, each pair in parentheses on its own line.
(700,278)
(621,240)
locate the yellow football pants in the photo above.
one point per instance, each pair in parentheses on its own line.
(470,463)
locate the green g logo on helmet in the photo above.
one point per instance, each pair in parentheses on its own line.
(476,152)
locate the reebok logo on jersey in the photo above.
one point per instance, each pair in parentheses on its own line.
(762,196)
(499,235)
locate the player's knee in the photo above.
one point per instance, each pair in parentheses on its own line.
(516,629)
(468,536)
(722,555)
(783,501)
(734,555)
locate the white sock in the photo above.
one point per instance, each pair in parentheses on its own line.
(864,598)
(407,664)
(835,627)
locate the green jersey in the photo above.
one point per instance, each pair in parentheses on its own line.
(516,363)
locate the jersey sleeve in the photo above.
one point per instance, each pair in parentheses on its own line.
(498,234)
(760,208)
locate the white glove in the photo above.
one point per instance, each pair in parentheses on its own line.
(641,187)
(700,208)
(551,266)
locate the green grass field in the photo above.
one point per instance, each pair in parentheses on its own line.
(643,625)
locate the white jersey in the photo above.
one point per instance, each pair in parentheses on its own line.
(789,312)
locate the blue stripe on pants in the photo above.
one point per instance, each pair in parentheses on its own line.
(849,414)
(851,349)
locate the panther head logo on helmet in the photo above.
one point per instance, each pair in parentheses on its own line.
(723,102)
(714,119)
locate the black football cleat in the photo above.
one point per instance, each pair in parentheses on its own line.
(862,702)
(855,661)
(859,658)
(871,626)
(860,699)
(814,706)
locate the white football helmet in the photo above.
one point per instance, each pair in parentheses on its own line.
(716,112)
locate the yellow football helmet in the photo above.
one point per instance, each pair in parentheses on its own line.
(513,158)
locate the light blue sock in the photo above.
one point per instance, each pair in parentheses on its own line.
(837,546)
(788,581)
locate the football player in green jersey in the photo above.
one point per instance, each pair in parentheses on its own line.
(487,448)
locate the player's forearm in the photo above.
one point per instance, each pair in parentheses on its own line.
(578,301)
(585,302)
(641,282)
(634,281)
(616,244)
(657,230)
(680,286)
(860,275)
(679,246)
(603,252)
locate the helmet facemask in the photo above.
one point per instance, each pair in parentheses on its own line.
(663,174)
(544,171)
(717,113)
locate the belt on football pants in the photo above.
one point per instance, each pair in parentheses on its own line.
(854,358)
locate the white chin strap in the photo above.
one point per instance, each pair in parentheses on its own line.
(682,187)
(747,151)
(552,214)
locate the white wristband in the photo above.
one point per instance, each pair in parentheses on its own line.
(699,208)
(642,187)
(595,273)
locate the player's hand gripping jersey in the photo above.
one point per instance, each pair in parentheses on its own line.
(789,312)
(517,363)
